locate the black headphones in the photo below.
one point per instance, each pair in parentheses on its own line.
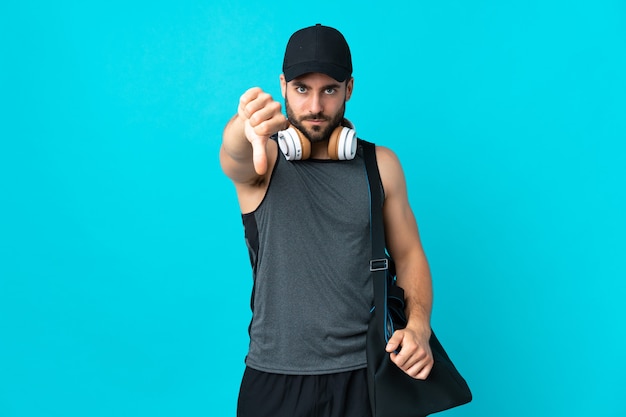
(295,146)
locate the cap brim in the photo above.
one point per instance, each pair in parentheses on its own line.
(338,73)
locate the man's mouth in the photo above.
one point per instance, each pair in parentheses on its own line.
(316,120)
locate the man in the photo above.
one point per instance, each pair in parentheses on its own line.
(307,229)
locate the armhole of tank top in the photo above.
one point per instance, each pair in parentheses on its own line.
(279,156)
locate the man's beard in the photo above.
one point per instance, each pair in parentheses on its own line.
(316,133)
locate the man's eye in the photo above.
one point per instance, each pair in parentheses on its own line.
(301,89)
(330,91)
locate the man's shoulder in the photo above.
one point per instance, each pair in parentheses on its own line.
(385,155)
(390,169)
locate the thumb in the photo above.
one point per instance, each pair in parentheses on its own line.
(259,155)
(395,341)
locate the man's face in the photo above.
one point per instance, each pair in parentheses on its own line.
(316,104)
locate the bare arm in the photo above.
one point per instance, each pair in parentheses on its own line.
(413,273)
(247,155)
(243,154)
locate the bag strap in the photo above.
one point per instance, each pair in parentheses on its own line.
(379,262)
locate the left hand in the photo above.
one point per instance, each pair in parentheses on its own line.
(415,357)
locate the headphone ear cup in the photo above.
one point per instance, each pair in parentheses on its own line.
(293,144)
(342,144)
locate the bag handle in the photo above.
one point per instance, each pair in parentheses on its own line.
(379,263)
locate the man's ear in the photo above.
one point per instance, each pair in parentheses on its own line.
(283,85)
(349,87)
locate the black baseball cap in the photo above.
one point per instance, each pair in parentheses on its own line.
(317,49)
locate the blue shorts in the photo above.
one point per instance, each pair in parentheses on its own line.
(265,394)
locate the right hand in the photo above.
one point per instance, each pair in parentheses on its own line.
(262,118)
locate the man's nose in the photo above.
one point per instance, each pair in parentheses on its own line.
(316,105)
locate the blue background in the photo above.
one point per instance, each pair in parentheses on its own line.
(124,278)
